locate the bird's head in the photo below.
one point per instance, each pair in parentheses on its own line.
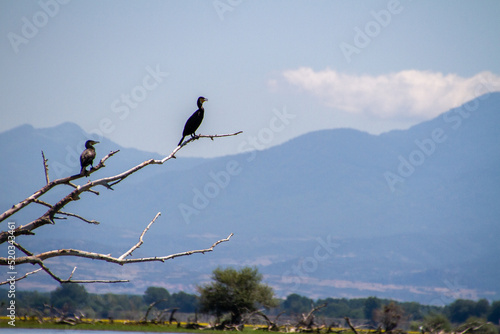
(201,99)
(89,143)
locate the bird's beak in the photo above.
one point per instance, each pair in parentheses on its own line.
(205,100)
(96,142)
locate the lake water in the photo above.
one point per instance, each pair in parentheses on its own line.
(62,331)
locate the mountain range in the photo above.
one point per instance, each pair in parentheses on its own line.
(408,214)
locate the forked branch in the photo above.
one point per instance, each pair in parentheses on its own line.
(54,211)
(108,182)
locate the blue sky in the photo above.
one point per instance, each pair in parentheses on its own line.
(132,70)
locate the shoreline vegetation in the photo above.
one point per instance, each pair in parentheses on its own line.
(141,326)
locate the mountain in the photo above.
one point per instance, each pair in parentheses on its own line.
(409,214)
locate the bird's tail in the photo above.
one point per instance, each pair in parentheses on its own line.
(180,141)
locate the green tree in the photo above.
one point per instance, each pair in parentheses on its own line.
(461,309)
(482,308)
(184,301)
(69,297)
(371,304)
(494,315)
(235,292)
(436,323)
(296,304)
(389,316)
(156,294)
(475,325)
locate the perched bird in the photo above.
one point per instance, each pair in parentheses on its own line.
(194,121)
(88,155)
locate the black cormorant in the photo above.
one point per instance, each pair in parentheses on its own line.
(87,157)
(194,121)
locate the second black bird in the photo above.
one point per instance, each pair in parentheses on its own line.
(194,121)
(87,156)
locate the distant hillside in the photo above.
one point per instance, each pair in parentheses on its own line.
(410,214)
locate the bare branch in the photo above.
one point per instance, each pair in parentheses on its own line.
(55,210)
(22,277)
(50,273)
(43,190)
(350,325)
(196,137)
(95,222)
(129,252)
(69,280)
(150,307)
(90,190)
(48,217)
(46,168)
(71,275)
(39,258)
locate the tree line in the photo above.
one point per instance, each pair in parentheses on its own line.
(234,296)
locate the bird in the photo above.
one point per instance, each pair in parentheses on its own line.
(87,156)
(194,121)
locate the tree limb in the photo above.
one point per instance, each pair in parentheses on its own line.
(350,325)
(95,222)
(65,180)
(39,258)
(48,217)
(54,210)
(129,252)
(22,277)
(46,168)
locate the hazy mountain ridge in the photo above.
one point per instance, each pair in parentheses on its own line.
(435,225)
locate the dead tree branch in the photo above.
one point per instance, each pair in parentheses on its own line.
(20,278)
(129,252)
(54,212)
(46,168)
(107,182)
(66,180)
(307,321)
(39,258)
(150,307)
(350,325)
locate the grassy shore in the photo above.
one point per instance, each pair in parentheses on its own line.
(125,326)
(132,326)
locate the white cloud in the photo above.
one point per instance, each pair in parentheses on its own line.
(405,94)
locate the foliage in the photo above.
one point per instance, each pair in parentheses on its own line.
(341,307)
(186,302)
(156,294)
(389,316)
(371,305)
(434,319)
(494,314)
(296,304)
(436,323)
(69,297)
(461,309)
(236,292)
(476,325)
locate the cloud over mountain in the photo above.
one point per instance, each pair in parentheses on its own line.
(408,94)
